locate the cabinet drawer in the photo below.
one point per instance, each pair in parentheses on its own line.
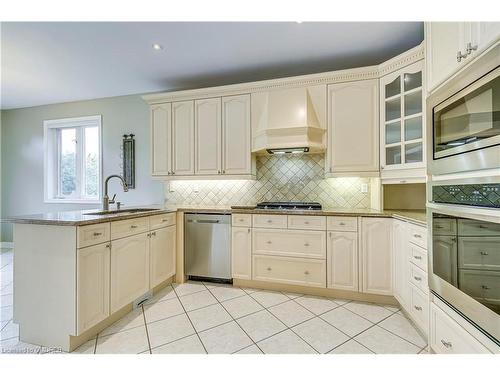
(309,272)
(292,243)
(307,222)
(468,227)
(419,278)
(160,221)
(88,235)
(342,223)
(241,220)
(269,221)
(447,336)
(124,228)
(418,235)
(479,253)
(419,308)
(444,227)
(481,285)
(418,256)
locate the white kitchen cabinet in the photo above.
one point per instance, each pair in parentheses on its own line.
(241,253)
(401,263)
(92,286)
(342,261)
(208,128)
(162,254)
(129,269)
(376,255)
(353,147)
(484,34)
(182,138)
(161,147)
(236,135)
(402,125)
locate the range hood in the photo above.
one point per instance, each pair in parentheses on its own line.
(289,120)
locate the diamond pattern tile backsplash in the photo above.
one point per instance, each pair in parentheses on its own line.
(279,178)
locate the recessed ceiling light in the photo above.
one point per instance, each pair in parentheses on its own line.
(298,21)
(157,46)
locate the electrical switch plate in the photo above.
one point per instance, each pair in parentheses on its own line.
(364,188)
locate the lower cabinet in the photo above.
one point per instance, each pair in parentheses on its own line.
(129,269)
(401,263)
(162,254)
(241,259)
(342,261)
(93,270)
(376,253)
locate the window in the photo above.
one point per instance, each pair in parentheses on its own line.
(72,168)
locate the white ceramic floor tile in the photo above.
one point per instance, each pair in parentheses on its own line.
(14,346)
(6,313)
(225,293)
(162,310)
(252,349)
(291,313)
(261,325)
(188,288)
(225,339)
(351,347)
(401,326)
(210,285)
(6,277)
(381,341)
(317,305)
(8,289)
(6,300)
(346,321)
(132,341)
(165,331)
(391,308)
(163,295)
(187,345)
(339,301)
(286,342)
(374,313)
(197,300)
(268,298)
(133,319)
(241,306)
(250,290)
(209,317)
(320,335)
(86,348)
(292,295)
(10,331)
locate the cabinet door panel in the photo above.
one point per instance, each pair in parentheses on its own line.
(241,258)
(93,268)
(401,263)
(208,136)
(353,110)
(183,138)
(376,241)
(129,269)
(342,260)
(161,130)
(162,257)
(236,135)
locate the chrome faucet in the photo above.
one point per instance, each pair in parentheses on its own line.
(105,200)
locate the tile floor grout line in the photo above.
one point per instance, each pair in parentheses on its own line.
(146,327)
(95,343)
(192,325)
(395,334)
(171,342)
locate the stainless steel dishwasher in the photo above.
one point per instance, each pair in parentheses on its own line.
(207,246)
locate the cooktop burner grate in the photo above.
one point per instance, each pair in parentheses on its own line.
(289,206)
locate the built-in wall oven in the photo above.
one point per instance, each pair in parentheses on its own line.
(464,256)
(464,119)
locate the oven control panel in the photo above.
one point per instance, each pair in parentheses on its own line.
(480,195)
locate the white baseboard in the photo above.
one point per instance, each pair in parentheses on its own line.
(7,245)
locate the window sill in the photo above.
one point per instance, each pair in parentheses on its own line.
(73,201)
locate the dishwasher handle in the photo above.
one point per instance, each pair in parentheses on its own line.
(203,221)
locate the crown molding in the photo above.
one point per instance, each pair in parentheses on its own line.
(338,76)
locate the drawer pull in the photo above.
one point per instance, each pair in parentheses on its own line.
(269,242)
(133,227)
(417,278)
(97,234)
(306,244)
(418,308)
(417,236)
(248,230)
(153,233)
(241,220)
(164,220)
(306,273)
(483,226)
(439,227)
(342,223)
(483,253)
(417,257)
(108,246)
(447,344)
(269,268)
(485,287)
(269,221)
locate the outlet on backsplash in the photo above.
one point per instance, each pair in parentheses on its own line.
(298,177)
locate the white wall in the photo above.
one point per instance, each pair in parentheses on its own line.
(22,154)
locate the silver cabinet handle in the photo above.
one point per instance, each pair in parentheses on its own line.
(108,246)
(469,48)
(97,234)
(153,234)
(173,172)
(269,268)
(418,308)
(417,257)
(417,236)
(218,172)
(485,287)
(306,222)
(269,221)
(248,230)
(483,226)
(483,253)
(306,244)
(133,227)
(439,227)
(306,273)
(417,278)
(269,242)
(164,220)
(447,344)
(461,56)
(224,172)
(168,173)
(342,223)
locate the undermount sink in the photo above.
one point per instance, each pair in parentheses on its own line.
(126,211)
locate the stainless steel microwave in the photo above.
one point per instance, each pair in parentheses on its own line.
(464,119)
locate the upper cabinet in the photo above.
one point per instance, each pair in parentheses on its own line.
(182,138)
(161,137)
(452,45)
(208,136)
(402,125)
(352,147)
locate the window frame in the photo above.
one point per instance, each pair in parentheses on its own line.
(52,155)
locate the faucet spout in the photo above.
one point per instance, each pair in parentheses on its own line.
(105,198)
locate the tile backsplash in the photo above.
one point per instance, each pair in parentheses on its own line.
(279,178)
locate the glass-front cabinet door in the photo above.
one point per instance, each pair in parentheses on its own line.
(402,118)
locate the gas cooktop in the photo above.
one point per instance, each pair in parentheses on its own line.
(289,206)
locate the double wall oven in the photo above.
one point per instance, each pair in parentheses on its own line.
(464,193)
